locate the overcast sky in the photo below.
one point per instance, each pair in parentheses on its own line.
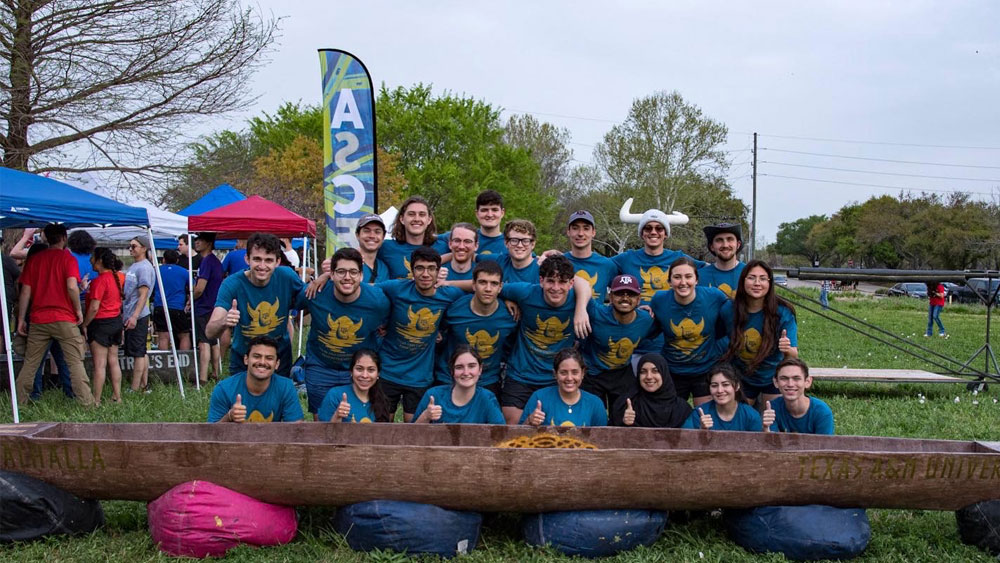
(904,80)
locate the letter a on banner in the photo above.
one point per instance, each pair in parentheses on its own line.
(348,146)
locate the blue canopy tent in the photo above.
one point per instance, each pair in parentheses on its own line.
(223,194)
(28,200)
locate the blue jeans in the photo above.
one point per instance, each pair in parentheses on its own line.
(934,314)
(61,367)
(824,298)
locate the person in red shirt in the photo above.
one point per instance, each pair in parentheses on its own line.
(103,323)
(50,283)
(935,294)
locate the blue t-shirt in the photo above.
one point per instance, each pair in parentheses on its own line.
(263,310)
(489,336)
(482,409)
(691,332)
(491,245)
(528,274)
(338,329)
(235,262)
(414,319)
(175,285)
(726,281)
(459,276)
(588,411)
(396,255)
(86,271)
(360,410)
(596,269)
(752,330)
(817,420)
(541,334)
(650,271)
(279,403)
(210,270)
(610,344)
(746,418)
(381,272)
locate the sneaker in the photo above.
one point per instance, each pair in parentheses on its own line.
(944,335)
(147,390)
(927,335)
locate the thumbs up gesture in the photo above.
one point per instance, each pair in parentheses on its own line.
(768,416)
(706,420)
(629,418)
(343,409)
(784,343)
(433,411)
(537,417)
(233,315)
(238,412)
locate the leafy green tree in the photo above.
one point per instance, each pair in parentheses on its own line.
(792,237)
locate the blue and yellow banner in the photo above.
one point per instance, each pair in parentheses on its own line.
(348,146)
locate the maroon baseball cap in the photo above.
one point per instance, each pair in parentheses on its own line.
(625,282)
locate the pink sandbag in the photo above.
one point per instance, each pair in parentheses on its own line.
(202,519)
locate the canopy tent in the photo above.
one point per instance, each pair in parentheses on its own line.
(222,195)
(163,224)
(28,200)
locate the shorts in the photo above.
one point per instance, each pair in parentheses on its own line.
(516,394)
(179,320)
(236,364)
(750,391)
(394,393)
(320,379)
(106,332)
(135,339)
(200,322)
(611,384)
(691,385)
(494,388)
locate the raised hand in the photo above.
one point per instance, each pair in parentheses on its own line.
(233,315)
(706,420)
(629,418)
(768,416)
(238,413)
(433,411)
(537,417)
(343,409)
(784,343)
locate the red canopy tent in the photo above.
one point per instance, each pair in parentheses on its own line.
(252,215)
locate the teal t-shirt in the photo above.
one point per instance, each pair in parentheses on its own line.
(610,344)
(752,337)
(263,310)
(491,245)
(408,347)
(482,409)
(396,255)
(279,403)
(691,332)
(650,271)
(338,329)
(588,411)
(817,420)
(459,276)
(528,274)
(489,336)
(746,418)
(360,410)
(381,273)
(542,332)
(725,280)
(596,269)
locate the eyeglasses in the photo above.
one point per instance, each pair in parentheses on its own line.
(343,272)
(761,279)
(653,229)
(133,246)
(624,293)
(520,241)
(424,269)
(465,241)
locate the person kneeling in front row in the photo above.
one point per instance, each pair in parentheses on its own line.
(256,395)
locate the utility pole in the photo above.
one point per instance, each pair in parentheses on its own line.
(753,218)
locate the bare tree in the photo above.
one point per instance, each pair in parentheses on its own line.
(114,85)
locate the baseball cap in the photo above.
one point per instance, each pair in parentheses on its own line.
(625,282)
(369,218)
(581,215)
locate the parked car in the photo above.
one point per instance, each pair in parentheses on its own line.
(781,279)
(973,288)
(908,289)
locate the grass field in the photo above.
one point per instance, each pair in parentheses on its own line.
(918,411)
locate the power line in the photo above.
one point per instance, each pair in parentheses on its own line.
(882,159)
(991,180)
(903,188)
(882,143)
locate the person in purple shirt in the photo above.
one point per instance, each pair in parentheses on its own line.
(206,290)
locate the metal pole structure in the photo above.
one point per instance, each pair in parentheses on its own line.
(166,311)
(8,349)
(753,218)
(305,264)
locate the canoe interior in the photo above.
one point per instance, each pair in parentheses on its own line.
(490,436)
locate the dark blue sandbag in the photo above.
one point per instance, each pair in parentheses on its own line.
(804,533)
(31,509)
(979,525)
(408,527)
(594,533)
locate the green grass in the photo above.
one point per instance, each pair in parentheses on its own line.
(868,409)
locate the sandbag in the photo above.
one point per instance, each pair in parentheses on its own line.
(202,519)
(804,533)
(31,509)
(409,527)
(594,533)
(979,525)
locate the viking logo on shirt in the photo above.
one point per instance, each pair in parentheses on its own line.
(482,342)
(592,280)
(409,272)
(548,332)
(751,344)
(687,335)
(724,288)
(619,352)
(255,416)
(264,319)
(342,333)
(422,324)
(654,279)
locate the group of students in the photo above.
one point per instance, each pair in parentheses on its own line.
(473,326)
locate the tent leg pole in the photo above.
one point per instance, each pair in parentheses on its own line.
(302,316)
(166,312)
(9,351)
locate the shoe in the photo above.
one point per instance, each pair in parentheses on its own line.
(147,390)
(944,335)
(927,336)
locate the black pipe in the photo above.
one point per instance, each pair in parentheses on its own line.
(887,275)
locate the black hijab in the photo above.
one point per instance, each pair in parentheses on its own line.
(661,408)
